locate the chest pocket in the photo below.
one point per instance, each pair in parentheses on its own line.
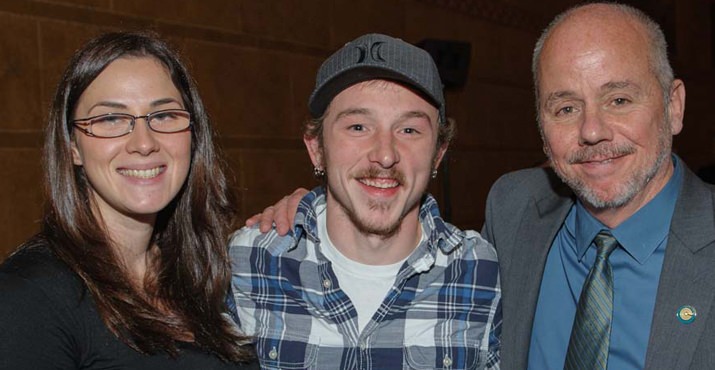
(461,350)
(286,353)
(454,358)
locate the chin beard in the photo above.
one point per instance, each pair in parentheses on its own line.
(384,231)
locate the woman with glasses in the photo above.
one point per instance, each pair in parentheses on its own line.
(130,269)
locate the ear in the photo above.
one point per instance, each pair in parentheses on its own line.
(312,143)
(76,155)
(676,106)
(439,156)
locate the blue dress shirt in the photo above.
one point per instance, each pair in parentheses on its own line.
(636,272)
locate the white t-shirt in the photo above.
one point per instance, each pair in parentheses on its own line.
(365,285)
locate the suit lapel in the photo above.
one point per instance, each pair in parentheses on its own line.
(539,224)
(687,278)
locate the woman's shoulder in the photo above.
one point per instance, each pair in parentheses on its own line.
(41,306)
(34,267)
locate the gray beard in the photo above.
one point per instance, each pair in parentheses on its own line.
(633,186)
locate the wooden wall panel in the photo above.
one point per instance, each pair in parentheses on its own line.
(255,62)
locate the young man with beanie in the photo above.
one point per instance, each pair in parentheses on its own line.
(371,277)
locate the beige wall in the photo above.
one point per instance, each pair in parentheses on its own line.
(255,62)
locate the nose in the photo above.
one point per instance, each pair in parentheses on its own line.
(384,150)
(594,128)
(142,139)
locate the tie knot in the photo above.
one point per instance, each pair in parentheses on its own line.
(605,244)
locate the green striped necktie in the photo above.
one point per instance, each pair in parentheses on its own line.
(588,346)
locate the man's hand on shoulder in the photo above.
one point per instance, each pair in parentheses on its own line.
(282,214)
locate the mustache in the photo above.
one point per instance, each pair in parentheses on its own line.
(372,172)
(599,152)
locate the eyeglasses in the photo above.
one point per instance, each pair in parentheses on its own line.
(119,124)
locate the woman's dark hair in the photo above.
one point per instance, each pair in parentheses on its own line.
(189,273)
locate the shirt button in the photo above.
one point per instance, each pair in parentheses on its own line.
(447,362)
(327,283)
(273,354)
(363,346)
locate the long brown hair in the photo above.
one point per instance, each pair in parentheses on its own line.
(190,272)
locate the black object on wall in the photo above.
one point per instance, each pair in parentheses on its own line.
(452,59)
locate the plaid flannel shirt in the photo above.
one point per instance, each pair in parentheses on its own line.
(443,311)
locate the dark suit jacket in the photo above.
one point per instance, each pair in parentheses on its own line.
(525,210)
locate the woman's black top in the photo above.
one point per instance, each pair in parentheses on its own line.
(48,320)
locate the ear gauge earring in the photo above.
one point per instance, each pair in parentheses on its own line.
(434,173)
(318,172)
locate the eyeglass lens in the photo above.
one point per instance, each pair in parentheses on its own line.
(166,121)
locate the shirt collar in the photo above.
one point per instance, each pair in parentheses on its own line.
(640,234)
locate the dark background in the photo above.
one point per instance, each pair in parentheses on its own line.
(255,62)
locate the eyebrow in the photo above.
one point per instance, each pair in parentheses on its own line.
(163,101)
(558,95)
(108,104)
(617,85)
(416,114)
(353,112)
(116,105)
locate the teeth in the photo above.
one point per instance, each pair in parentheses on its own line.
(142,174)
(604,161)
(380,183)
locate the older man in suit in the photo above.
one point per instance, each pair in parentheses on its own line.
(607,260)
(608,106)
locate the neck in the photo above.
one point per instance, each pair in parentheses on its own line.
(374,249)
(131,239)
(612,217)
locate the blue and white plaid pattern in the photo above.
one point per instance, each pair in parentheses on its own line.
(443,312)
